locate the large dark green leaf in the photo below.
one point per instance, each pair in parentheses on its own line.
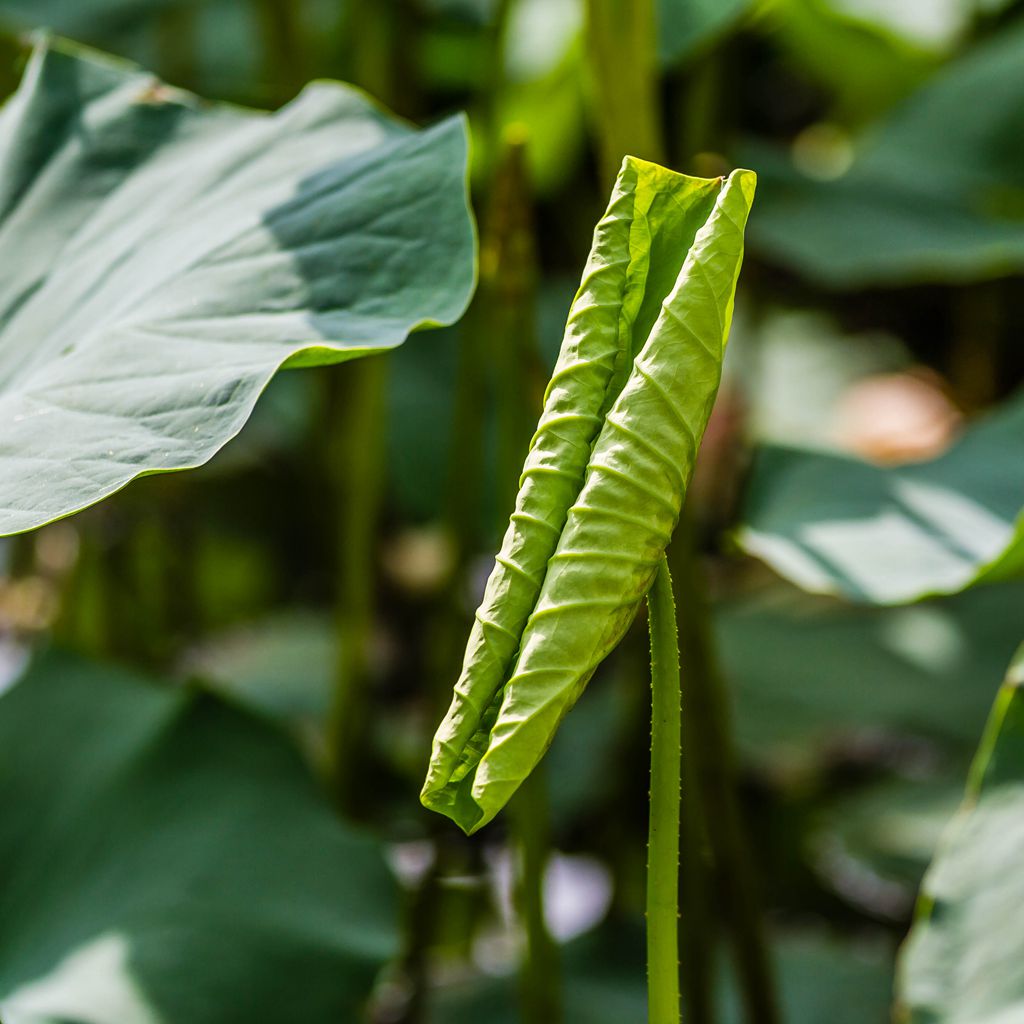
(820,683)
(163,258)
(962,961)
(85,19)
(887,535)
(936,192)
(863,65)
(165,858)
(820,979)
(808,674)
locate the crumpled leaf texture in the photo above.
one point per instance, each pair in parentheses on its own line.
(604,480)
(162,258)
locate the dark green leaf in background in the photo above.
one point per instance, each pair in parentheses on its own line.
(163,258)
(820,979)
(685,26)
(935,192)
(862,65)
(166,858)
(808,674)
(836,524)
(962,962)
(81,20)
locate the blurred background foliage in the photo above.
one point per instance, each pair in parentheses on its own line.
(319,574)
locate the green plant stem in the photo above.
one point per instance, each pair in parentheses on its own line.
(978,321)
(710,744)
(355,456)
(176,45)
(494,83)
(508,274)
(21,558)
(698,926)
(380,52)
(281,29)
(540,984)
(663,836)
(622,52)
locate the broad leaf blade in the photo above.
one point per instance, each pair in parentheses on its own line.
(839,525)
(167,858)
(961,963)
(810,676)
(936,192)
(163,258)
(596,510)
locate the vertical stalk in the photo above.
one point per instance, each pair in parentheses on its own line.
(711,748)
(701,132)
(978,321)
(84,620)
(380,53)
(698,932)
(622,51)
(355,458)
(176,35)
(284,52)
(539,982)
(508,275)
(663,835)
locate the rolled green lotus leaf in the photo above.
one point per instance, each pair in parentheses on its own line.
(604,480)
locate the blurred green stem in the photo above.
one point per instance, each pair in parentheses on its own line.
(709,739)
(176,38)
(281,28)
(622,53)
(663,834)
(508,275)
(978,321)
(355,423)
(540,985)
(698,927)
(355,448)
(381,53)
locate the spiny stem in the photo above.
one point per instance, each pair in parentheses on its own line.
(663,836)
(712,751)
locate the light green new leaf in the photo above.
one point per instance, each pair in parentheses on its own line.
(604,479)
(163,258)
(935,193)
(962,961)
(165,858)
(834,524)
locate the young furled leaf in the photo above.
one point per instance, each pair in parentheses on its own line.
(604,480)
